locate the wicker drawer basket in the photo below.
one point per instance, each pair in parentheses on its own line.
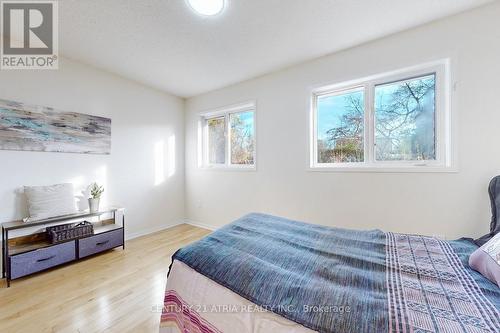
(64,232)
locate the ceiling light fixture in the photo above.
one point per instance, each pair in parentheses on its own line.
(207,7)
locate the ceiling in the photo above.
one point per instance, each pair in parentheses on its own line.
(163,44)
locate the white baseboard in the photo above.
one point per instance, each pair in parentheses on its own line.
(200,225)
(168,226)
(152,230)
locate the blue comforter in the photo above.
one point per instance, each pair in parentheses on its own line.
(338,280)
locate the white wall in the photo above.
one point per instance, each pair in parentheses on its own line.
(141,117)
(448,204)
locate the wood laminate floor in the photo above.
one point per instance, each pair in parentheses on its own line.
(116,291)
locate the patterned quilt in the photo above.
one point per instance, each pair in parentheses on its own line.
(429,289)
(339,280)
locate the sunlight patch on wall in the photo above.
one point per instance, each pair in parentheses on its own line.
(171,156)
(101,177)
(200,144)
(159,162)
(78,182)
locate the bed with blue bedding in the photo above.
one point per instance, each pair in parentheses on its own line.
(338,280)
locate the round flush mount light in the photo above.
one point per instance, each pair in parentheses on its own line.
(207,7)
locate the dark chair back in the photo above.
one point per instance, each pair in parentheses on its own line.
(494,191)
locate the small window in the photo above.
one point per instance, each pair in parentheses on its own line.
(228,137)
(393,121)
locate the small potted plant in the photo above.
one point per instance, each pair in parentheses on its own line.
(95,196)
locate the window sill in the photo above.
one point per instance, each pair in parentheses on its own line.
(228,168)
(385,169)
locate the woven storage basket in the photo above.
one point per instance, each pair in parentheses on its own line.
(64,232)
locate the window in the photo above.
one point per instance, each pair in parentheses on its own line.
(228,137)
(393,121)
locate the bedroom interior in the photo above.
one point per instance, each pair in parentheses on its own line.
(249,166)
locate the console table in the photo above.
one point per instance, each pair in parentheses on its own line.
(27,254)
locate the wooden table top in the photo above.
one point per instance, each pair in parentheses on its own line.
(82,214)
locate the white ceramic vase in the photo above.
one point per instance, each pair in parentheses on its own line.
(94,205)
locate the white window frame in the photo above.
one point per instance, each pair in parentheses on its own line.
(226,112)
(444,151)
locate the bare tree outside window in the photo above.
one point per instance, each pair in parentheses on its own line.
(404,123)
(229,137)
(242,138)
(216,140)
(405,120)
(341,127)
(397,121)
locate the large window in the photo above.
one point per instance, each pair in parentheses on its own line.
(392,121)
(228,137)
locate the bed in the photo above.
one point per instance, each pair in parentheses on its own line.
(263,273)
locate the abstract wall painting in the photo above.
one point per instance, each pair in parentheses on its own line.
(38,128)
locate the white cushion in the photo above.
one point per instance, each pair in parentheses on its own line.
(49,201)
